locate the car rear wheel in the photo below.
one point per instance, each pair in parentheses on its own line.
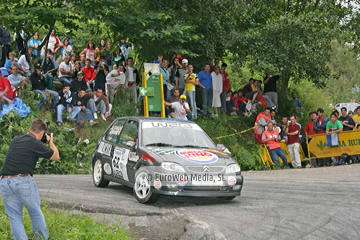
(98,175)
(142,187)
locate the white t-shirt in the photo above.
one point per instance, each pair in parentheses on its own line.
(131,74)
(24,64)
(66,67)
(115,81)
(15,80)
(180,112)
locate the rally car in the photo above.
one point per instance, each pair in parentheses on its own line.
(159,156)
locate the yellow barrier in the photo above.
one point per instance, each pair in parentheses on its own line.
(349,142)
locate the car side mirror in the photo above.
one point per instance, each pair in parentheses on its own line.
(222,148)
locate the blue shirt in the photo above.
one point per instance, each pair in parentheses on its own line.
(165,73)
(32,42)
(15,80)
(297,103)
(205,79)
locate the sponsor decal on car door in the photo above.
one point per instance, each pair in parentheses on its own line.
(119,163)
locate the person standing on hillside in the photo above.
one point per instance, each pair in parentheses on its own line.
(205,79)
(293,132)
(17,186)
(226,87)
(270,88)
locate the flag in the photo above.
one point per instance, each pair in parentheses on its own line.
(332,139)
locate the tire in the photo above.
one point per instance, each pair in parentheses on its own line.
(98,175)
(142,187)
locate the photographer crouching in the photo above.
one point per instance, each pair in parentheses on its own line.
(17,187)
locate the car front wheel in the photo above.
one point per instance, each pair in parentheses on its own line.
(142,187)
(98,175)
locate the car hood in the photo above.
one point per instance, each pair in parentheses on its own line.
(190,156)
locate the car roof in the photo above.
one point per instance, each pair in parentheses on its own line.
(141,118)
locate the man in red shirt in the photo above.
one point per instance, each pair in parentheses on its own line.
(89,74)
(6,92)
(293,132)
(226,86)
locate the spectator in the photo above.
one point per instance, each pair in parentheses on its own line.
(347,122)
(269,103)
(101,71)
(174,68)
(98,103)
(217,83)
(334,126)
(53,43)
(73,60)
(320,125)
(180,108)
(226,87)
(99,51)
(68,34)
(5,44)
(11,62)
(65,71)
(293,132)
(64,103)
(173,98)
(271,138)
(115,79)
(165,75)
(132,78)
(229,102)
(89,74)
(206,91)
(79,105)
(89,52)
(82,60)
(77,69)
(191,80)
(261,121)
(297,101)
(159,59)
(17,80)
(6,92)
(270,87)
(109,56)
(247,87)
(67,49)
(179,78)
(39,85)
(34,43)
(216,64)
(283,125)
(240,102)
(23,63)
(79,83)
(356,118)
(49,69)
(19,37)
(309,131)
(125,48)
(351,114)
(119,59)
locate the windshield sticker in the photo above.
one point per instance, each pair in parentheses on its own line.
(104,148)
(164,151)
(197,156)
(119,162)
(170,125)
(107,169)
(215,151)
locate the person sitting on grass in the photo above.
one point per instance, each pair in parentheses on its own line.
(65,100)
(78,105)
(6,92)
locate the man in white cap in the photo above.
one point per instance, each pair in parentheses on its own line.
(180,76)
(181,108)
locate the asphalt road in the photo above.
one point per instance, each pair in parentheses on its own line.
(316,203)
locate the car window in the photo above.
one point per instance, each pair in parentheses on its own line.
(113,133)
(129,133)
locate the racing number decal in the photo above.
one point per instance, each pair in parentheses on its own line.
(119,162)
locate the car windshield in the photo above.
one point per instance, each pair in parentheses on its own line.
(174,134)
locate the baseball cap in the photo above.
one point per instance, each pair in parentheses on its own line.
(183,96)
(185,61)
(80,73)
(38,66)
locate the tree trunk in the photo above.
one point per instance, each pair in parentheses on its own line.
(283,86)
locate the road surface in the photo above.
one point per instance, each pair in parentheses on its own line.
(316,203)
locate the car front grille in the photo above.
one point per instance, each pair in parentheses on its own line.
(201,169)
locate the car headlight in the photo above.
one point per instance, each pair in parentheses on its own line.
(233,168)
(174,167)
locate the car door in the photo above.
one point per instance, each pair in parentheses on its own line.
(124,156)
(108,143)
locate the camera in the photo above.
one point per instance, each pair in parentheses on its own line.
(44,139)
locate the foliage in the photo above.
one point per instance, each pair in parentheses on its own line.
(123,105)
(243,146)
(64,225)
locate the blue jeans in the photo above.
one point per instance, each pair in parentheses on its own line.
(268,101)
(54,94)
(190,98)
(275,154)
(19,191)
(60,108)
(100,107)
(76,112)
(65,79)
(207,98)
